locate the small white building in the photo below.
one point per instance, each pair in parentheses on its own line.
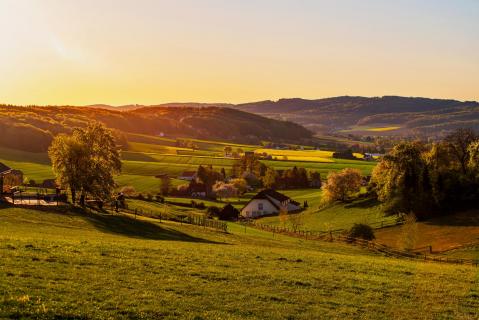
(268,202)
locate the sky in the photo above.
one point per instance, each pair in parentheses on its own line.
(121,52)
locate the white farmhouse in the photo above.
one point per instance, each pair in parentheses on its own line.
(268,202)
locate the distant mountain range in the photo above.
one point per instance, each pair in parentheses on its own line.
(388,115)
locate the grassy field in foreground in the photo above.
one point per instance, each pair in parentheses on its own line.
(76,266)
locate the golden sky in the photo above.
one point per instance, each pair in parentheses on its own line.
(149,52)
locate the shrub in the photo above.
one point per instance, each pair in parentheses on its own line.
(160,198)
(362,231)
(149,196)
(140,196)
(128,191)
(213,211)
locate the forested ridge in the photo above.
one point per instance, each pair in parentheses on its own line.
(32,128)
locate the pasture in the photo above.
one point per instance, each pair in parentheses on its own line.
(331,217)
(442,233)
(82,266)
(149,156)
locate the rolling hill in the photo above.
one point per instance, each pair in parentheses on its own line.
(373,116)
(32,128)
(386,115)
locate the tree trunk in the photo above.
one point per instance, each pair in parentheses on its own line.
(74,195)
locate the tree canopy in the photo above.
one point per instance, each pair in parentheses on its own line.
(86,161)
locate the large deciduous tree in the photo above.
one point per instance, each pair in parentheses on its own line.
(340,186)
(86,161)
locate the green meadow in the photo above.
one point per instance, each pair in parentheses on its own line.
(73,265)
(149,156)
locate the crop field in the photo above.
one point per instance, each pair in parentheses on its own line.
(381,129)
(324,168)
(370,129)
(150,156)
(153,148)
(77,266)
(299,155)
(214,147)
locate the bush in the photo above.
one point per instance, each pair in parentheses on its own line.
(149,196)
(362,231)
(140,196)
(213,211)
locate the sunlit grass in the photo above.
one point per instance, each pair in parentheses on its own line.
(82,266)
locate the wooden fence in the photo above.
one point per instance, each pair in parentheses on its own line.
(339,236)
(188,219)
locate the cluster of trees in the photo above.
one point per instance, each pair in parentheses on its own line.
(228,212)
(86,161)
(186,143)
(426,179)
(291,178)
(230,152)
(232,188)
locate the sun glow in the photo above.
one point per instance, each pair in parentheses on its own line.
(63,52)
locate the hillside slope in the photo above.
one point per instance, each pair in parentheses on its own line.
(72,265)
(388,115)
(32,128)
(408,115)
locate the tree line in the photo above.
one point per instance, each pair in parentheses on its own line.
(429,179)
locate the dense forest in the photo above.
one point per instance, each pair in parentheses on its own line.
(32,128)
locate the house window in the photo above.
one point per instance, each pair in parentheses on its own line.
(260,206)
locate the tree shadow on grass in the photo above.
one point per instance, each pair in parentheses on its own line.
(140,229)
(363,203)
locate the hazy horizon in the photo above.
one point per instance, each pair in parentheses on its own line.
(154,52)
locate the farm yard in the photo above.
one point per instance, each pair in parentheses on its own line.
(146,269)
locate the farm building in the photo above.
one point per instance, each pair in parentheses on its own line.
(9,178)
(188,175)
(268,202)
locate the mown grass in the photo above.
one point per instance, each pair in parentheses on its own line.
(76,266)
